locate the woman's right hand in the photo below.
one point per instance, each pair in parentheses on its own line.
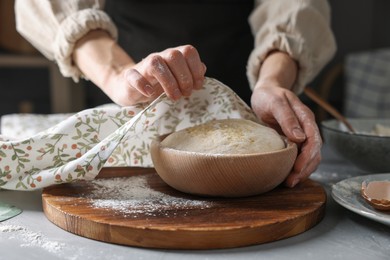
(176,71)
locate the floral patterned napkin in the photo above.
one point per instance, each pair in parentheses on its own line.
(79,145)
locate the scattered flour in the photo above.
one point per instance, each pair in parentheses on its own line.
(133,196)
(10,228)
(31,239)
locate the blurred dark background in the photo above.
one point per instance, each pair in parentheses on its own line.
(26,78)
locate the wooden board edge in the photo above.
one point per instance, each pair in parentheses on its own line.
(182,239)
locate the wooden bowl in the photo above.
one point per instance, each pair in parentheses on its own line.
(223,175)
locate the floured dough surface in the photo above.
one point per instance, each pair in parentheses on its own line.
(229,136)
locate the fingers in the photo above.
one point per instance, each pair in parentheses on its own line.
(181,72)
(273,106)
(160,71)
(288,119)
(196,66)
(137,81)
(305,164)
(283,110)
(177,71)
(310,152)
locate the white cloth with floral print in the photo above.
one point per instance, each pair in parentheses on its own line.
(79,145)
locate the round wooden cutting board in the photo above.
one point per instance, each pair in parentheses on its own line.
(157,216)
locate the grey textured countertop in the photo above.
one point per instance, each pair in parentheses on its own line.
(342,234)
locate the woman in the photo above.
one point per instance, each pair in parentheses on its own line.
(165,46)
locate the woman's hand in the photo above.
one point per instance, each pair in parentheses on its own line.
(281,109)
(175,71)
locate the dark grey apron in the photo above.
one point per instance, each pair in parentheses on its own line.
(219,30)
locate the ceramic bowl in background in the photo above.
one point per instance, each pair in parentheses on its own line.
(368,151)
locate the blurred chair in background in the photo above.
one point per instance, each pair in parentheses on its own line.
(366,85)
(367,89)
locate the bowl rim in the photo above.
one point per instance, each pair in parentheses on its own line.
(290,145)
(358,134)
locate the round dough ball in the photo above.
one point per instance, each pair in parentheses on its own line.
(229,136)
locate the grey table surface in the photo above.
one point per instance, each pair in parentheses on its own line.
(342,234)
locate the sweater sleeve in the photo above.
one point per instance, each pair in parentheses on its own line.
(53,27)
(300,28)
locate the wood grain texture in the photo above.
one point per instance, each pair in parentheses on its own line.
(228,223)
(223,175)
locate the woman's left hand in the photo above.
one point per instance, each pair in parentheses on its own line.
(282,110)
